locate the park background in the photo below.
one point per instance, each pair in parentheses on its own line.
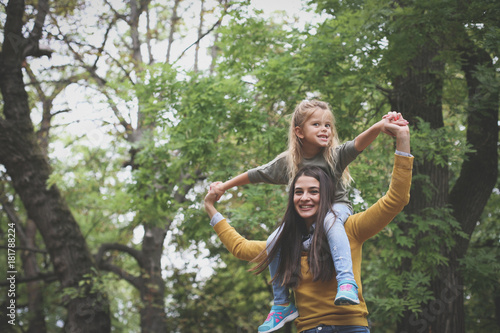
(117,115)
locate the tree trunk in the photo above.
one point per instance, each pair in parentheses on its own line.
(445,313)
(412,98)
(25,236)
(200,34)
(29,171)
(152,291)
(173,26)
(35,295)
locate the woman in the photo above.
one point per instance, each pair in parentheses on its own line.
(314,295)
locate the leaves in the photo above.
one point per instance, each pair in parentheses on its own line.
(173,132)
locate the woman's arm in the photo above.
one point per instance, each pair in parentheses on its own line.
(240,247)
(368,223)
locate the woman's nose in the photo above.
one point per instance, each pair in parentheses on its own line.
(305,197)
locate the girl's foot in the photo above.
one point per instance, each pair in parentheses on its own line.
(347,293)
(278,316)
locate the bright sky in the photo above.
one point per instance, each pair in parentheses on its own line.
(89,117)
(86,117)
(204,269)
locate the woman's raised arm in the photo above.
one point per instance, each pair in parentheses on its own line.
(238,245)
(368,223)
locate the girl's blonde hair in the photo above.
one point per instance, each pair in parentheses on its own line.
(294,155)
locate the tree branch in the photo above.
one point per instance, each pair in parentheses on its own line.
(11,213)
(132,279)
(219,21)
(121,248)
(478,174)
(117,15)
(32,47)
(46,277)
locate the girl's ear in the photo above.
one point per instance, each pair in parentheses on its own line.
(298,132)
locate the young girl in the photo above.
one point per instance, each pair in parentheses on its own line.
(313,141)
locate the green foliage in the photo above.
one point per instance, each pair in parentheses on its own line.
(228,301)
(419,240)
(439,146)
(94,185)
(200,127)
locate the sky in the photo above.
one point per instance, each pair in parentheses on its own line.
(202,265)
(86,118)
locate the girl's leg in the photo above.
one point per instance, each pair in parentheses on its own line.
(341,254)
(281,295)
(279,315)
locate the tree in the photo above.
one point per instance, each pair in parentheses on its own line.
(174,131)
(29,170)
(438,62)
(147,88)
(421,46)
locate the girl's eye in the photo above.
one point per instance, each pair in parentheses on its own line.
(328,125)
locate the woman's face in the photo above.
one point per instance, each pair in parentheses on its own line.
(306,198)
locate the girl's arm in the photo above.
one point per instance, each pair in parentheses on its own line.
(239,180)
(220,187)
(364,139)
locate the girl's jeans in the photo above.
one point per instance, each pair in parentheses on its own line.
(339,248)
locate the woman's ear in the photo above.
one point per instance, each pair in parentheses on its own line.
(298,132)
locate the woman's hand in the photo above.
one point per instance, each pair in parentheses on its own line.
(393,129)
(392,119)
(209,202)
(217,187)
(401,133)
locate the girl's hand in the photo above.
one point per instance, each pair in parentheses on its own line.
(395,118)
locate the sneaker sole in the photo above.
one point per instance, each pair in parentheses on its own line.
(285,320)
(345,301)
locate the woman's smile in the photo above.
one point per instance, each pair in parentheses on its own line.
(306,198)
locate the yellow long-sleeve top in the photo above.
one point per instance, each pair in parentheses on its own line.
(314,300)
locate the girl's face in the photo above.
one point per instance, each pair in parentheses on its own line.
(306,198)
(316,132)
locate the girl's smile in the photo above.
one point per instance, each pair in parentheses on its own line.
(316,133)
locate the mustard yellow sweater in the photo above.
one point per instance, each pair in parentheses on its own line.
(314,300)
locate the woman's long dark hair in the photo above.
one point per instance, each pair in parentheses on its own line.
(289,241)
